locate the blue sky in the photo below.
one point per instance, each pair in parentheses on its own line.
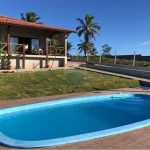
(125,24)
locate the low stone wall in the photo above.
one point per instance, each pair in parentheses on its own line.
(133,71)
(35,61)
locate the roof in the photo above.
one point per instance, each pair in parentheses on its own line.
(17,22)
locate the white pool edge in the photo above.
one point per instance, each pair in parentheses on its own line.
(4,140)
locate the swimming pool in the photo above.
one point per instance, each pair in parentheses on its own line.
(72,120)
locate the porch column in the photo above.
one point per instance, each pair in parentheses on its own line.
(66,45)
(65,60)
(46,51)
(8,39)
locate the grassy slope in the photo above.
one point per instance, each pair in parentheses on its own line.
(24,85)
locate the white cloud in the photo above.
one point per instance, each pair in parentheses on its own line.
(127,44)
(144,43)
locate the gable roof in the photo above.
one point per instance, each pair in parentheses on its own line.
(17,22)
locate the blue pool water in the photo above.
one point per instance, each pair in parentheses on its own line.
(73,117)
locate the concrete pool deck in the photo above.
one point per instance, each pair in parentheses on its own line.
(136,139)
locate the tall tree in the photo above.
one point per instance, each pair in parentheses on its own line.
(31,17)
(88,28)
(69,46)
(83,44)
(106,49)
(93,51)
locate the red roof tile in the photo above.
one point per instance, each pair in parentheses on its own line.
(22,23)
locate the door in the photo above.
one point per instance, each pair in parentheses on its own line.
(27,42)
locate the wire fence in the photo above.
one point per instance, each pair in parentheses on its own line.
(132,58)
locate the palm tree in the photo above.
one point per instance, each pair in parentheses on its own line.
(93,51)
(88,28)
(31,17)
(69,46)
(83,45)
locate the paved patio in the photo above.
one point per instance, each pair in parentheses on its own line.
(136,139)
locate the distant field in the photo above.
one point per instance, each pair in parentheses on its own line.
(111,60)
(25,85)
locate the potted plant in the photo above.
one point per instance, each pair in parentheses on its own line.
(8,64)
(48,66)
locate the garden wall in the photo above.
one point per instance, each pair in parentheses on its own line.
(141,72)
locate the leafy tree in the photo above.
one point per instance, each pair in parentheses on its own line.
(106,49)
(54,42)
(31,17)
(88,29)
(83,44)
(69,46)
(93,51)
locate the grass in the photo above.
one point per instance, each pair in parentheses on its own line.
(25,85)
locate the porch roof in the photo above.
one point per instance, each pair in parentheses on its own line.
(17,22)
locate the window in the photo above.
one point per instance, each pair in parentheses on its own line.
(35,44)
(13,43)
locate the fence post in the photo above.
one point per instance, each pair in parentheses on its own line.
(134,59)
(87,57)
(115,58)
(100,57)
(77,55)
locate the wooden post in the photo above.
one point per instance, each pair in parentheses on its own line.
(134,59)
(8,40)
(100,57)
(77,55)
(23,56)
(115,58)
(50,44)
(87,57)
(46,43)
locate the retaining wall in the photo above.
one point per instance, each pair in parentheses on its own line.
(141,72)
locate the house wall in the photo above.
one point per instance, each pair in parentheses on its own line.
(30,33)
(24,32)
(3,30)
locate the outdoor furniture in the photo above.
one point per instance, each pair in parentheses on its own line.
(40,51)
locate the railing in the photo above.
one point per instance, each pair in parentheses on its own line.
(17,49)
(56,51)
(20,49)
(3,46)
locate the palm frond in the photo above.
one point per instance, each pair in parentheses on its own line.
(89,19)
(81,21)
(95,26)
(79,28)
(22,16)
(30,17)
(80,32)
(69,46)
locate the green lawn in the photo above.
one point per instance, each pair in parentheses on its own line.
(36,84)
